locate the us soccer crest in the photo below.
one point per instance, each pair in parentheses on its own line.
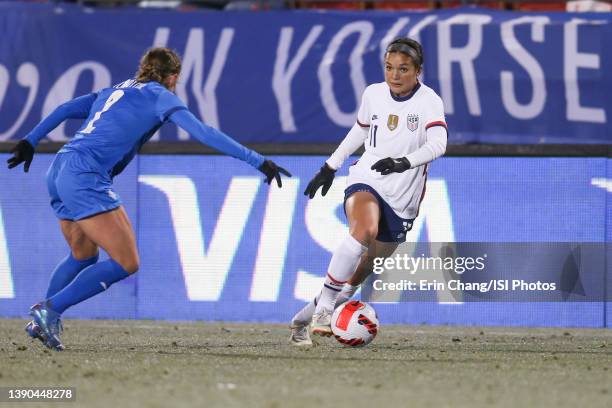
(413,122)
(392,122)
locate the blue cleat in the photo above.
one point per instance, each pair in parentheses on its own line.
(34,331)
(49,324)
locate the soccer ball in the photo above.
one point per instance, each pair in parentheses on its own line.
(354,324)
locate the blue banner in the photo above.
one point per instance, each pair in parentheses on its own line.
(224,246)
(297,76)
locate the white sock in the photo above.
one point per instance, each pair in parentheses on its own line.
(341,267)
(345,294)
(305,315)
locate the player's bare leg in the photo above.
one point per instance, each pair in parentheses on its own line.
(363,214)
(80,246)
(113,232)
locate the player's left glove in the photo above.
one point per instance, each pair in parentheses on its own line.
(324,178)
(389,165)
(23,152)
(273,171)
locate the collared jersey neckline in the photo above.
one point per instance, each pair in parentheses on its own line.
(405,98)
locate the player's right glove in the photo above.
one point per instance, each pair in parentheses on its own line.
(273,171)
(23,152)
(325,178)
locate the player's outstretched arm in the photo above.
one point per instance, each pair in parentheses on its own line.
(23,152)
(225,144)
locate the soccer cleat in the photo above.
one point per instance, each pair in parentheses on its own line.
(34,331)
(49,324)
(321,323)
(299,334)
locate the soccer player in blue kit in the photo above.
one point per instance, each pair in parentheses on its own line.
(119,120)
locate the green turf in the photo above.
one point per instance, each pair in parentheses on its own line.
(116,364)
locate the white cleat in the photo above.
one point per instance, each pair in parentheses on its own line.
(321,323)
(299,334)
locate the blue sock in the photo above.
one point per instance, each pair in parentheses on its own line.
(65,272)
(91,281)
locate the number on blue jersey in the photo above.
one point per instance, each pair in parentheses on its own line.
(112,99)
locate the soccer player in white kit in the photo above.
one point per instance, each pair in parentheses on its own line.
(401,122)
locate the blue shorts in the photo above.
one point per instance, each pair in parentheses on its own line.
(391,227)
(78,189)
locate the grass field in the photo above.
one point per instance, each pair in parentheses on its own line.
(168,364)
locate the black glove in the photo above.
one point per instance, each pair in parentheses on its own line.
(325,178)
(23,152)
(272,171)
(389,165)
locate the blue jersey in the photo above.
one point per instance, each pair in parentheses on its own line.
(121,119)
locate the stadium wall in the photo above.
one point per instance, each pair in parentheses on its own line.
(218,244)
(297,76)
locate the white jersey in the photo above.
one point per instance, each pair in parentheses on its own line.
(397,127)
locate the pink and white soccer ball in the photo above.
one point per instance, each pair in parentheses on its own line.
(354,324)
